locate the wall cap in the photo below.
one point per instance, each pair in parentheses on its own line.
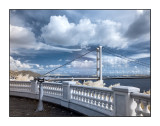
(127,89)
(68,82)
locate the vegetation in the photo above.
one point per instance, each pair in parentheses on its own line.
(23,75)
(96,84)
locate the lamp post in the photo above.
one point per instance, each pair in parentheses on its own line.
(40,104)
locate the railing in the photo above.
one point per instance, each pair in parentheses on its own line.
(22,86)
(143,104)
(95,98)
(91,101)
(53,89)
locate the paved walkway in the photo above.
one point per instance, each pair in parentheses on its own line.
(24,107)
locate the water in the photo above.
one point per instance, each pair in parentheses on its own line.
(144,84)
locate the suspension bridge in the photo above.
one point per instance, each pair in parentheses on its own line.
(115,66)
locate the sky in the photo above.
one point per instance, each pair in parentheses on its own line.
(42,40)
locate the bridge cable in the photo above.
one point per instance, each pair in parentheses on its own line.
(130,59)
(69,62)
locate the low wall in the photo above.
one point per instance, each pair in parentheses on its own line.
(91,101)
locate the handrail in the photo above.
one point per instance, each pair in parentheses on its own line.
(21,81)
(93,88)
(141,96)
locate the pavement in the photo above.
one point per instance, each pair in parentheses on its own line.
(25,107)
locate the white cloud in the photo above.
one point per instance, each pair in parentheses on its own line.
(41,67)
(52,66)
(60,31)
(21,37)
(140,55)
(114,61)
(18,65)
(91,56)
(82,64)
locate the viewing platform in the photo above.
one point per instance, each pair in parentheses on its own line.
(87,100)
(25,107)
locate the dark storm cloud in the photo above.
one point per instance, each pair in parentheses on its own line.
(32,18)
(35,19)
(140,26)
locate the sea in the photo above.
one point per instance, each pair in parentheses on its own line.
(143,83)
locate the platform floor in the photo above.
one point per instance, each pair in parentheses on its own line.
(24,107)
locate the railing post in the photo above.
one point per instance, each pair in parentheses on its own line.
(34,86)
(124,105)
(66,93)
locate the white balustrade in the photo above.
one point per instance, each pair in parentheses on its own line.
(21,86)
(52,89)
(143,103)
(92,96)
(118,101)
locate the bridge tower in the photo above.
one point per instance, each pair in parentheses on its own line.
(99,63)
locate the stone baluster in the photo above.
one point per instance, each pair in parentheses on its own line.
(105,100)
(109,102)
(89,95)
(97,101)
(76,96)
(101,102)
(146,111)
(92,92)
(138,108)
(94,96)
(73,96)
(56,90)
(81,94)
(86,95)
(71,93)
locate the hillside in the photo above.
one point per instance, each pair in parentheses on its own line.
(23,73)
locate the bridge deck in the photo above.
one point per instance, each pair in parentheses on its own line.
(24,107)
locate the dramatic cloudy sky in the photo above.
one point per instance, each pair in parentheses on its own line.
(41,40)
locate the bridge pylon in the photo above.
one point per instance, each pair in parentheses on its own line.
(99,63)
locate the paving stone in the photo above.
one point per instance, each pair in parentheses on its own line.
(24,107)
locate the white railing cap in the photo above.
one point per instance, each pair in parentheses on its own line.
(141,96)
(20,81)
(69,82)
(93,88)
(128,89)
(51,83)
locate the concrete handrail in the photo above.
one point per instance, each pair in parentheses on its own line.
(141,96)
